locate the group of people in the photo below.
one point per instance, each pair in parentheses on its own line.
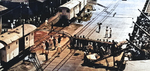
(36,20)
(110,32)
(95,50)
(140,38)
(51,43)
(102,47)
(107,35)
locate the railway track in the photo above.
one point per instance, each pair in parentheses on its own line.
(72,52)
(46,36)
(66,57)
(105,17)
(90,23)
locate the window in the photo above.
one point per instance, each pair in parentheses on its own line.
(16,42)
(8,47)
(31,33)
(26,38)
(68,11)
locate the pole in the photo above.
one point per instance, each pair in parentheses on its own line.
(133,45)
(136,46)
(23,36)
(144,15)
(142,29)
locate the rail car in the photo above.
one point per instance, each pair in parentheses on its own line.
(11,42)
(70,10)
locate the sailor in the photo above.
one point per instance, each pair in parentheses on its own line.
(99,27)
(113,46)
(50,42)
(110,32)
(43,47)
(106,33)
(84,43)
(46,54)
(47,45)
(54,43)
(58,50)
(81,42)
(74,41)
(94,45)
(90,47)
(92,56)
(78,41)
(59,39)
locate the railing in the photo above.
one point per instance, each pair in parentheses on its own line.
(146,6)
(1,68)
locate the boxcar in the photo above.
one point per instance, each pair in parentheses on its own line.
(72,8)
(11,42)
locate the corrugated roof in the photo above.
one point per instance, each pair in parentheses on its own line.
(70,4)
(16,33)
(41,0)
(19,1)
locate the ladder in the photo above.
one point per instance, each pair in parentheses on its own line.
(35,61)
(1,67)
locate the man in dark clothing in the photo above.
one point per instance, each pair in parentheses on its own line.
(130,37)
(99,27)
(94,45)
(110,32)
(113,48)
(54,42)
(71,42)
(78,41)
(80,44)
(59,39)
(100,50)
(85,43)
(47,45)
(47,50)
(46,54)
(106,33)
(74,41)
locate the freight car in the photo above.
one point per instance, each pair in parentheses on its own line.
(11,42)
(70,10)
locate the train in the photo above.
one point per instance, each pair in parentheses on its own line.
(70,10)
(13,41)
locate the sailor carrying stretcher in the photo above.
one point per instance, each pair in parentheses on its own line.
(93,56)
(90,55)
